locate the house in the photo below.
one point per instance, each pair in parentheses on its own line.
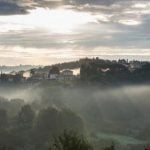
(54,73)
(66,74)
(36,75)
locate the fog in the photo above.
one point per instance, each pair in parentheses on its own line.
(126,99)
(78,97)
(115,111)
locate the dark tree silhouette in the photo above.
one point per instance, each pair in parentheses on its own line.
(25,117)
(112,147)
(3,119)
(70,141)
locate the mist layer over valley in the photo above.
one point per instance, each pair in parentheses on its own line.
(106,112)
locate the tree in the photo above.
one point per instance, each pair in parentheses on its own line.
(54,70)
(112,147)
(32,72)
(25,117)
(70,141)
(52,122)
(71,121)
(15,106)
(23,126)
(3,119)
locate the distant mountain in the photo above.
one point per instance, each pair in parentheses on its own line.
(8,69)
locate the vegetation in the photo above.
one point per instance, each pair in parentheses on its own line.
(28,128)
(70,141)
(121,71)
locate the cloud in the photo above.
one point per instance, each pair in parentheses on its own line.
(35,39)
(13,7)
(115,28)
(9,8)
(116,8)
(123,24)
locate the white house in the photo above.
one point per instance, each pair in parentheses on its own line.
(66,74)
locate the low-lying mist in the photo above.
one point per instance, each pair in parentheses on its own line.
(118,110)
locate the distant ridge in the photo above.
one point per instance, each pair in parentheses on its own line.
(8,69)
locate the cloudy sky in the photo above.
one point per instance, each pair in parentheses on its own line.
(50,31)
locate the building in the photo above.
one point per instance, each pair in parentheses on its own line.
(66,75)
(67,72)
(54,73)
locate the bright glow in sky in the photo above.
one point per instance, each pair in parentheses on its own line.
(130,22)
(55,21)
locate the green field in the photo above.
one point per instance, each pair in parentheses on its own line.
(121,139)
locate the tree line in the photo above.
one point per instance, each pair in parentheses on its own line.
(107,71)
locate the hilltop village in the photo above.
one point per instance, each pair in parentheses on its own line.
(86,69)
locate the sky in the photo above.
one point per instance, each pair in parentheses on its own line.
(43,32)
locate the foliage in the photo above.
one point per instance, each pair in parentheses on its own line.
(3,119)
(112,147)
(30,128)
(70,141)
(121,71)
(25,117)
